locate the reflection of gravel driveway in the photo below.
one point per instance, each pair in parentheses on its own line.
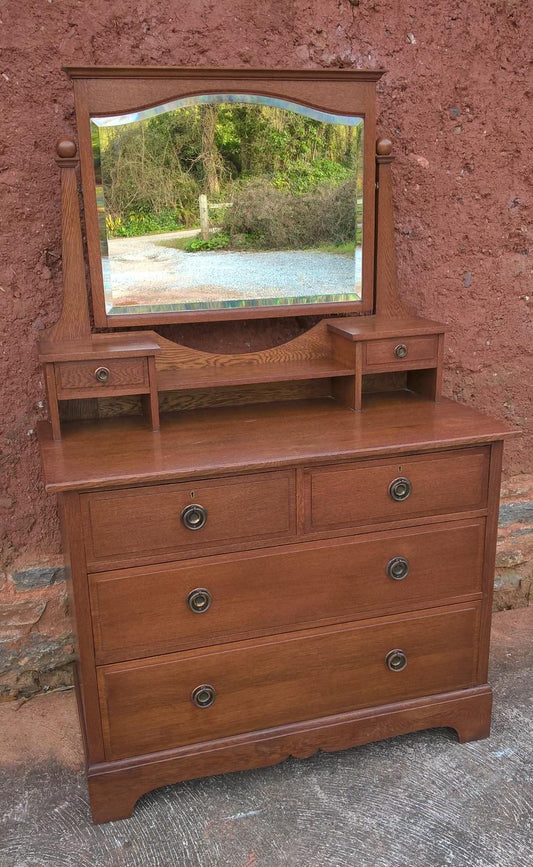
(143,272)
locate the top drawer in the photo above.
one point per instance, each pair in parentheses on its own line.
(103,375)
(147,524)
(401,353)
(364,493)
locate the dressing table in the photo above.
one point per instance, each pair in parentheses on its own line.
(274,552)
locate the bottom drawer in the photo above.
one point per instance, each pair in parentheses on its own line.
(148,705)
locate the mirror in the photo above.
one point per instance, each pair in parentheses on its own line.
(227,201)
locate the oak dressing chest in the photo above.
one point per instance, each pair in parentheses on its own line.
(272,552)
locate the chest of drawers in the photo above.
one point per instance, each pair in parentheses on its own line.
(328,583)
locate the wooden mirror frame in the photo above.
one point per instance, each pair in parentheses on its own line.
(103,91)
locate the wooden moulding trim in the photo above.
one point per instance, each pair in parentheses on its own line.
(115,786)
(129,345)
(214,377)
(364,328)
(127,320)
(230,73)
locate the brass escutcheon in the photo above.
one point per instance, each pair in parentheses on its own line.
(400,489)
(193,517)
(203,696)
(398,568)
(199,600)
(102,374)
(396,660)
(400,351)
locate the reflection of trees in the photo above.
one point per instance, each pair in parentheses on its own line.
(209,154)
(154,170)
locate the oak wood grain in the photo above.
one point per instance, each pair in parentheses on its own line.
(364,328)
(114,787)
(146,705)
(381,353)
(75,376)
(211,442)
(262,592)
(127,345)
(337,496)
(143,522)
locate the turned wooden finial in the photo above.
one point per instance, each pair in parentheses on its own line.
(383,147)
(65,148)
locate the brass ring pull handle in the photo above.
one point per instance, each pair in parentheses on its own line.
(203,696)
(194,517)
(102,374)
(199,600)
(400,351)
(398,568)
(396,660)
(400,489)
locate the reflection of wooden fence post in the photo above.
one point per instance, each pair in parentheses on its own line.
(204,217)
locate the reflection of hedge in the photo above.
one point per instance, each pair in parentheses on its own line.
(278,220)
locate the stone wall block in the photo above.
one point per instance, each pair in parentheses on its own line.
(22,614)
(37,577)
(516,513)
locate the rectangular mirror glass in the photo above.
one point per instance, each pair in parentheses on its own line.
(228,200)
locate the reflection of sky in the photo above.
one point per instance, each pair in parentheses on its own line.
(213,98)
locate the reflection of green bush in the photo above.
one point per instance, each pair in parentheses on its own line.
(303,176)
(215,242)
(278,220)
(133,224)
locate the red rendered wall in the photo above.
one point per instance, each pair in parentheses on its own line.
(457,103)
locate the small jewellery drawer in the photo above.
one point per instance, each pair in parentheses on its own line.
(169,701)
(146,524)
(415,486)
(119,373)
(215,599)
(397,353)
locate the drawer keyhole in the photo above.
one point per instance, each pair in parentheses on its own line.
(199,600)
(398,568)
(193,517)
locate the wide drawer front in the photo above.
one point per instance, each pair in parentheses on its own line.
(214,599)
(142,523)
(416,486)
(150,705)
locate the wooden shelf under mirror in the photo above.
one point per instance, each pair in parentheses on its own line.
(315,513)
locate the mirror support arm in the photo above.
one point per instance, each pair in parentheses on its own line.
(387,300)
(74,320)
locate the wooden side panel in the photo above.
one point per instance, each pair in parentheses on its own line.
(490,557)
(72,536)
(147,706)
(345,496)
(282,589)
